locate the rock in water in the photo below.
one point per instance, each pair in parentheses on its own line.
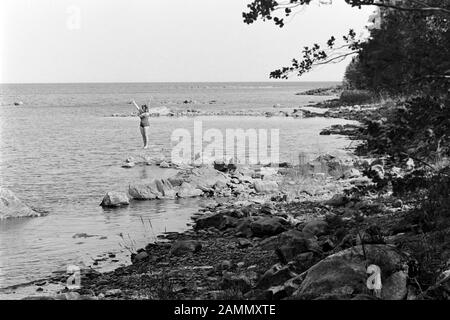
(205,178)
(165,188)
(188,191)
(146,191)
(115,199)
(164,164)
(13,207)
(128,165)
(139,257)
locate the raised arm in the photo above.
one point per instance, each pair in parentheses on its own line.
(136,105)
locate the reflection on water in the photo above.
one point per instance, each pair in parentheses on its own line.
(64,159)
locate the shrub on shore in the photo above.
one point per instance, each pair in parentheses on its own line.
(353,97)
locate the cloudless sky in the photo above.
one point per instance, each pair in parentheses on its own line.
(160,40)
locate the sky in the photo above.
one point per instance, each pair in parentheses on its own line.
(52,41)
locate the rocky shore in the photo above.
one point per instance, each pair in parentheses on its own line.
(316,230)
(309,237)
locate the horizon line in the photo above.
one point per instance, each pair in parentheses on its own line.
(137,82)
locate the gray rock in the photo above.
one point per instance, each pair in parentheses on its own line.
(275,276)
(377,172)
(219,185)
(219,221)
(128,165)
(262,186)
(220,165)
(226,265)
(164,164)
(344,274)
(315,228)
(113,293)
(395,287)
(291,243)
(140,257)
(337,200)
(146,191)
(175,181)
(115,199)
(165,188)
(268,226)
(352,173)
(243,228)
(12,207)
(182,247)
(244,243)
(204,178)
(187,190)
(397,203)
(328,164)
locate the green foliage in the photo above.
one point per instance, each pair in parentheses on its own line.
(354,76)
(409,54)
(418,128)
(353,97)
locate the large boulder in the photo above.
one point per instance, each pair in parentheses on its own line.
(175,181)
(217,220)
(291,243)
(155,189)
(145,191)
(275,276)
(187,190)
(115,199)
(315,227)
(13,207)
(262,186)
(204,178)
(344,274)
(165,188)
(268,226)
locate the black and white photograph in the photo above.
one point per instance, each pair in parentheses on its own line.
(248,152)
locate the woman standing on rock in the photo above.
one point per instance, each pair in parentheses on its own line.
(145,123)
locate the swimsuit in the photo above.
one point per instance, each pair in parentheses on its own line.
(145,122)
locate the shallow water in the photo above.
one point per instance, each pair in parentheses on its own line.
(61,151)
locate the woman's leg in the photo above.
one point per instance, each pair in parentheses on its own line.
(145,135)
